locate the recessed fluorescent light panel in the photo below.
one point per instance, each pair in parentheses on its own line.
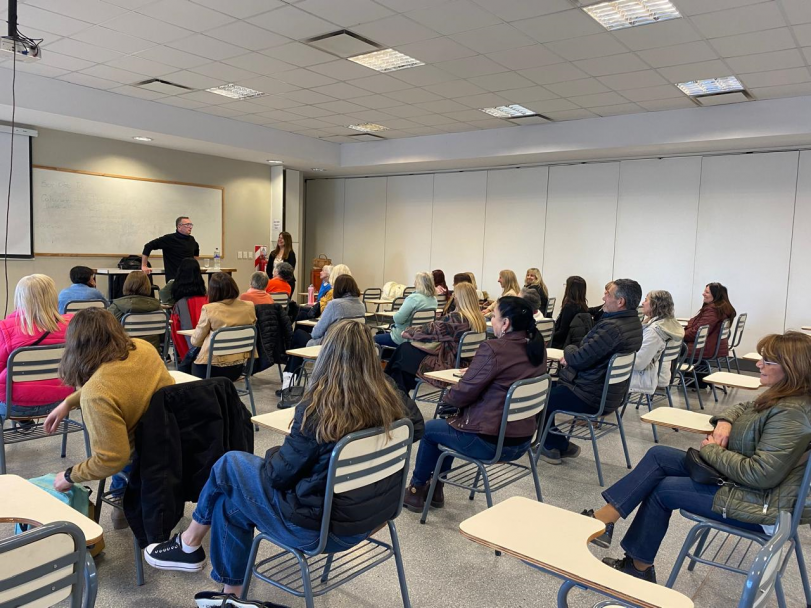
(513,111)
(141,138)
(630,13)
(387,60)
(275,162)
(368,127)
(317,169)
(234,91)
(711,86)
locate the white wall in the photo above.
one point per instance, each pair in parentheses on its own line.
(672,224)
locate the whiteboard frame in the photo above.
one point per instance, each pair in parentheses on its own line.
(31,254)
(132,177)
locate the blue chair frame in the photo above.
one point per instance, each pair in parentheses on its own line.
(223,344)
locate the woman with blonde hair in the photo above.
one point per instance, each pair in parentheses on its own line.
(35,322)
(509,286)
(337,271)
(137,298)
(283,493)
(534,281)
(434,345)
(424,298)
(660,328)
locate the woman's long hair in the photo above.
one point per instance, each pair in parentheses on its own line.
(792,350)
(575,293)
(538,281)
(36,303)
(94,337)
(347,390)
(720,299)
(467,304)
(509,282)
(189,281)
(519,312)
(439,279)
(288,247)
(661,304)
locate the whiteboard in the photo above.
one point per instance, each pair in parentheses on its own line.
(19,215)
(78,213)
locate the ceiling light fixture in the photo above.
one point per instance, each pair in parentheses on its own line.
(316,169)
(368,127)
(142,138)
(234,91)
(511,111)
(620,14)
(275,162)
(387,60)
(711,86)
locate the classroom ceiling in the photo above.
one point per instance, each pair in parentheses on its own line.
(547,55)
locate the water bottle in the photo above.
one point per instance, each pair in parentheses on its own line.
(310,295)
(216,258)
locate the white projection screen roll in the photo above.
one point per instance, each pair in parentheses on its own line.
(20,228)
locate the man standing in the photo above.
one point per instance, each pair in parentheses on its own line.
(176,247)
(583,367)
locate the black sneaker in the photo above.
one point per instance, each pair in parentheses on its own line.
(573,451)
(626,565)
(170,556)
(218,599)
(550,456)
(604,540)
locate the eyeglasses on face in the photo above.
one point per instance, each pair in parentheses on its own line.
(187,225)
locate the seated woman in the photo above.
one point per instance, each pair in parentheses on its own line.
(439,283)
(450,304)
(424,298)
(713,312)
(35,322)
(337,270)
(188,283)
(574,303)
(283,494)
(518,353)
(534,281)
(659,328)
(479,293)
(434,345)
(759,446)
(531,296)
(282,278)
(137,298)
(83,287)
(509,286)
(224,309)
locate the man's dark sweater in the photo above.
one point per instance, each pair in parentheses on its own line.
(176,247)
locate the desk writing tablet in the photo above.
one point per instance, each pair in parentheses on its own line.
(181,377)
(752,357)
(186,332)
(276,421)
(556,541)
(381,301)
(446,375)
(23,502)
(674,418)
(386,313)
(734,380)
(308,352)
(806,328)
(307,322)
(554,354)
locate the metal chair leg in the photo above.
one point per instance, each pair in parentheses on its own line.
(798,551)
(699,549)
(91,582)
(653,426)
(327,567)
(65,435)
(622,439)
(139,562)
(309,600)
(685,548)
(398,560)
(2,446)
(472,494)
(432,486)
(698,389)
(684,389)
(535,479)
(246,583)
(596,455)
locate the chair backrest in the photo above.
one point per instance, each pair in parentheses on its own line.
(550,306)
(43,567)
(408,291)
(361,459)
(232,341)
(397,303)
(722,335)
(361,320)
(524,399)
(77,305)
(421,317)
(138,324)
(469,344)
(441,300)
(546,327)
(672,351)
(640,313)
(698,346)
(372,293)
(740,325)
(32,364)
(620,368)
(768,563)
(280,297)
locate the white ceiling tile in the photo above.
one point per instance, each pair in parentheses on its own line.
(440,107)
(798,11)
(31,16)
(402,123)
(720,100)
(338,139)
(633,80)
(402,6)
(107,38)
(394,31)
(193,16)
(41,69)
(485,100)
(174,100)
(668,104)
(248,36)
(147,28)
(560,26)
(108,73)
(790,90)
(743,20)
(423,75)
(762,62)
(292,22)
(536,93)
(308,96)
(613,64)
(454,17)
(699,7)
(669,91)
(173,57)
(803,33)
(205,46)
(194,80)
(430,120)
(371,116)
(135,63)
(299,54)
(458,127)
(525,57)
(689,52)
(501,82)
(259,63)
(129,4)
(464,115)
(224,72)
(82,50)
(514,10)
(91,11)
(558,72)
(666,33)
(776,78)
(278,116)
(408,111)
(138,92)
(471,66)
(338,119)
(421,131)
(436,49)
(283,126)
(217,111)
(244,107)
(415,95)
(586,86)
(586,47)
(64,62)
(695,71)
(240,9)
(343,69)
(807,53)
(341,107)
(253,119)
(551,105)
(86,80)
(380,83)
(341,90)
(455,88)
(570,115)
(376,102)
(493,38)
(273,86)
(756,42)
(304,78)
(205,98)
(600,99)
(616,110)
(346,12)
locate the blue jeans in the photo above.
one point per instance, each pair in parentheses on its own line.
(27,411)
(562,398)
(661,483)
(385,339)
(233,502)
(439,432)
(120,480)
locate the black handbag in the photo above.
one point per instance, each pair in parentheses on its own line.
(446,410)
(700,471)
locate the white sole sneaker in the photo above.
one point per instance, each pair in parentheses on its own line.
(177,566)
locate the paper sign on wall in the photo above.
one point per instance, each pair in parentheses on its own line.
(277,226)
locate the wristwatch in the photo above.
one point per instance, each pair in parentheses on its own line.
(68,471)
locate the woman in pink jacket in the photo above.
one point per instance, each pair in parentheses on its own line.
(35,321)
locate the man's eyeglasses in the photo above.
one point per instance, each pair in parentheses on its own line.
(187,225)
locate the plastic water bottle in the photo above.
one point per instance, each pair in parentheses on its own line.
(311,295)
(216,258)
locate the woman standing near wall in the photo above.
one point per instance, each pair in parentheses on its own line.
(284,253)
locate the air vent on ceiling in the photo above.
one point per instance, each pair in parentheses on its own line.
(721,98)
(343,44)
(365,137)
(163,86)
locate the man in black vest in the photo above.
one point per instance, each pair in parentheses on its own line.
(176,247)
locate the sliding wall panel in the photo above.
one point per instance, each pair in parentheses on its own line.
(324,223)
(798,305)
(745,221)
(656,226)
(457,242)
(364,229)
(581,217)
(409,211)
(514,223)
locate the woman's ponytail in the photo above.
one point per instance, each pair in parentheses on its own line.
(519,312)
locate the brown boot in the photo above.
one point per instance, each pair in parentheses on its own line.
(438,499)
(414,499)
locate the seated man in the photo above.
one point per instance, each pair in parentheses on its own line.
(282,277)
(257,294)
(583,367)
(83,288)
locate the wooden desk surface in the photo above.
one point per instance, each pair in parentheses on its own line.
(23,502)
(307,322)
(447,375)
(308,352)
(279,420)
(734,380)
(752,357)
(181,377)
(381,301)
(386,313)
(806,327)
(186,332)
(557,541)
(674,418)
(554,354)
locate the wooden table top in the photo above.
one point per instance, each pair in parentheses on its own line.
(734,380)
(25,503)
(752,357)
(185,332)
(554,354)
(278,421)
(307,322)
(448,376)
(181,377)
(557,540)
(806,327)
(380,301)
(307,352)
(674,418)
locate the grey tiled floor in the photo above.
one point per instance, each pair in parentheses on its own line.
(442,568)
